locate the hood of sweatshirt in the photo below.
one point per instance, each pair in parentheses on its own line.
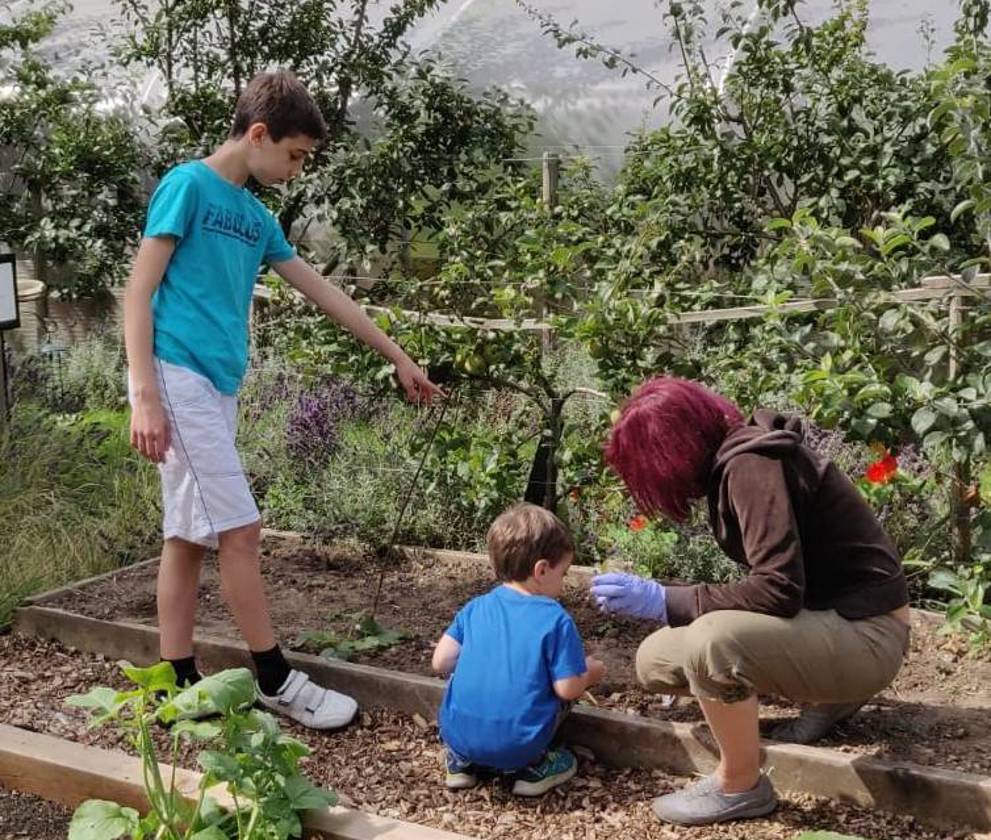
(767,433)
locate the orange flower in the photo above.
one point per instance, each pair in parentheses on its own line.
(638,523)
(575,494)
(882,471)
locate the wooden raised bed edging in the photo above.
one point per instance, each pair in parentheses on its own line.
(942,796)
(69,773)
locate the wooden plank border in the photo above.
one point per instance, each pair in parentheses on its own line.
(69,773)
(941,796)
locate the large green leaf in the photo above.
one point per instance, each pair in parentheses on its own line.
(202,730)
(304,795)
(221,693)
(98,819)
(220,766)
(103,702)
(923,420)
(158,677)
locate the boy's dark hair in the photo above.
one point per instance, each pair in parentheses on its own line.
(521,536)
(282,103)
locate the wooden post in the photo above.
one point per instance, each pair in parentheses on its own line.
(4,403)
(959,509)
(551,171)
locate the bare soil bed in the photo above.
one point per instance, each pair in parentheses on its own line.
(389,764)
(935,713)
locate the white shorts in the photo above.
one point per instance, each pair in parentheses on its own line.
(204,489)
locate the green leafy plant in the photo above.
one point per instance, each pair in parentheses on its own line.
(967,611)
(366,634)
(646,547)
(70,190)
(247,753)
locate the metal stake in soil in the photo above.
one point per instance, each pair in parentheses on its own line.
(384,551)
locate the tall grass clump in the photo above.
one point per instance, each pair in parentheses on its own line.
(75,500)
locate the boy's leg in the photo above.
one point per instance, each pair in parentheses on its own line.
(461,774)
(242,587)
(282,689)
(178,585)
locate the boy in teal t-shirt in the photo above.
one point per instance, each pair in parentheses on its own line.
(186,332)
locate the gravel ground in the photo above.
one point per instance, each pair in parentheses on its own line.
(389,764)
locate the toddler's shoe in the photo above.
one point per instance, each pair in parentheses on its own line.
(460,774)
(307,703)
(555,768)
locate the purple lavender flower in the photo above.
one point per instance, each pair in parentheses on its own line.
(314,422)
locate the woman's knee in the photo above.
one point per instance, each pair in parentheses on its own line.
(658,663)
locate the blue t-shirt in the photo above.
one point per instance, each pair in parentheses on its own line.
(500,709)
(223,235)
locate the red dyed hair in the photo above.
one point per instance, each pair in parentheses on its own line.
(665,440)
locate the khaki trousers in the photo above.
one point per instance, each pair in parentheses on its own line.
(817,656)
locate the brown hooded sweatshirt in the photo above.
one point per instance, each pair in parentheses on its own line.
(808,537)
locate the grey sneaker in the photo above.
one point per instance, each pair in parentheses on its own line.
(814,722)
(702,803)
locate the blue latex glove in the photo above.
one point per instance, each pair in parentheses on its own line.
(637,597)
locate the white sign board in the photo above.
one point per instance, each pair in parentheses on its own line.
(8,294)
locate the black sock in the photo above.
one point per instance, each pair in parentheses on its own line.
(272,668)
(185,671)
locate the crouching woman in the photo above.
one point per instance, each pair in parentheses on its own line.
(821,616)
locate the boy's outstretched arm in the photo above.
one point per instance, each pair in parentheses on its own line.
(571,688)
(149,425)
(342,309)
(445,655)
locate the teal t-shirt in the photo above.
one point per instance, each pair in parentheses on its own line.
(223,234)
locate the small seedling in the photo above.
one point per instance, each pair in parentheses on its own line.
(366,634)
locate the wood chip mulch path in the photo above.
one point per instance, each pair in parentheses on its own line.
(389,764)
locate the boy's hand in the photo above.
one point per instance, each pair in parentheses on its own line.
(150,433)
(418,388)
(596,670)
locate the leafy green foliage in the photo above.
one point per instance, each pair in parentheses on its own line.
(69,190)
(967,611)
(248,754)
(429,143)
(653,549)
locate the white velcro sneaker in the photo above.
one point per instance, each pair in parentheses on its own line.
(304,701)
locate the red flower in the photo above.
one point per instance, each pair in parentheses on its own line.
(882,471)
(638,523)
